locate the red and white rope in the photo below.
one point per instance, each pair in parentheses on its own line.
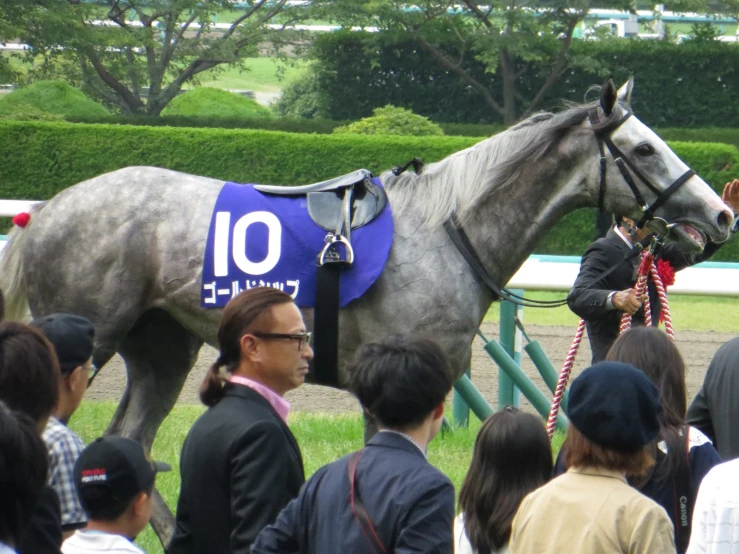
(662,293)
(641,287)
(564,377)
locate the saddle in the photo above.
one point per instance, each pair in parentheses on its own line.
(337,206)
(327,199)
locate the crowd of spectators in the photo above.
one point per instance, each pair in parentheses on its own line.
(632,476)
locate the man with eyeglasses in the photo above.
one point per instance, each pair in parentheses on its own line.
(240,464)
(72,338)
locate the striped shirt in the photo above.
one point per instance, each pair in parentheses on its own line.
(64,448)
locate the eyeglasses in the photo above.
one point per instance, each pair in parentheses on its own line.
(302,338)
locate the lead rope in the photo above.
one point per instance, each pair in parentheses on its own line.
(646,269)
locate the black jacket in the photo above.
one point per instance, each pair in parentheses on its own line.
(240,465)
(715,410)
(409,501)
(588,298)
(44,533)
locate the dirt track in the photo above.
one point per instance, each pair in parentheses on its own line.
(697,349)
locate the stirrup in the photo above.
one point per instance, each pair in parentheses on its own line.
(330,255)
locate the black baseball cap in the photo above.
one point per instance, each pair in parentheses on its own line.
(112,471)
(72,337)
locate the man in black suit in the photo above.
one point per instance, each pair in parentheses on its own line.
(602,301)
(386,497)
(715,410)
(240,464)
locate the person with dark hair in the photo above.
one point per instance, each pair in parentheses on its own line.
(240,464)
(72,337)
(23,468)
(512,457)
(29,383)
(614,412)
(683,454)
(385,497)
(601,301)
(115,482)
(715,410)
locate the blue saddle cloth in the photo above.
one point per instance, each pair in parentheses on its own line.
(258,240)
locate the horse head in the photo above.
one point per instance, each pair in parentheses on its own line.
(640,177)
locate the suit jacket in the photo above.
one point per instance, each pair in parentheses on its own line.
(589,298)
(715,409)
(44,532)
(240,465)
(409,501)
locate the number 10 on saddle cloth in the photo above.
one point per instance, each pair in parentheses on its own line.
(258,239)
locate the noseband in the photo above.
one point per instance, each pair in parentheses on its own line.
(603,136)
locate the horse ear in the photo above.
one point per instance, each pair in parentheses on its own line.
(608,96)
(624,93)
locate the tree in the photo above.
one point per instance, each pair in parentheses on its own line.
(122,46)
(506,35)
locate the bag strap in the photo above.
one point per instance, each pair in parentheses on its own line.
(684,500)
(360,512)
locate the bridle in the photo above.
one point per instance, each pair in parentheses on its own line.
(602,135)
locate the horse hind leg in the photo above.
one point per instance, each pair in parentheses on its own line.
(159,353)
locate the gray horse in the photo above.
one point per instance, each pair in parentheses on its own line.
(125,249)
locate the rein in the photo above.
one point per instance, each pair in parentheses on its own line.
(626,167)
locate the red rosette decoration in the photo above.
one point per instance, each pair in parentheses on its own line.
(666,272)
(22,219)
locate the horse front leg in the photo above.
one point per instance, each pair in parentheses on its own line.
(159,353)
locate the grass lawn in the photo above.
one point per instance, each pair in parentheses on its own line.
(689,313)
(262,76)
(322,439)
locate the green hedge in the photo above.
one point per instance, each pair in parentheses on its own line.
(320,126)
(37,160)
(692,84)
(705,134)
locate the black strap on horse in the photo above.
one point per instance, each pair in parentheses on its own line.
(358,508)
(462,242)
(417,164)
(684,499)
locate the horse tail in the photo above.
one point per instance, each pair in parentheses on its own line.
(12,282)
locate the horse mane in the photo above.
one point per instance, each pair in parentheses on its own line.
(459,182)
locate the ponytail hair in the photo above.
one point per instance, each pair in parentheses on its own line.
(247,312)
(211,390)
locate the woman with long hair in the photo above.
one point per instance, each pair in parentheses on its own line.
(684,455)
(512,457)
(614,413)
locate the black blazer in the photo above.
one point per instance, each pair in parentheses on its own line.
(588,297)
(240,465)
(715,409)
(44,532)
(410,502)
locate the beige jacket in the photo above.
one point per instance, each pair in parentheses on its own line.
(590,511)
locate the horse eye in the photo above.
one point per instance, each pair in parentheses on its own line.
(645,150)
